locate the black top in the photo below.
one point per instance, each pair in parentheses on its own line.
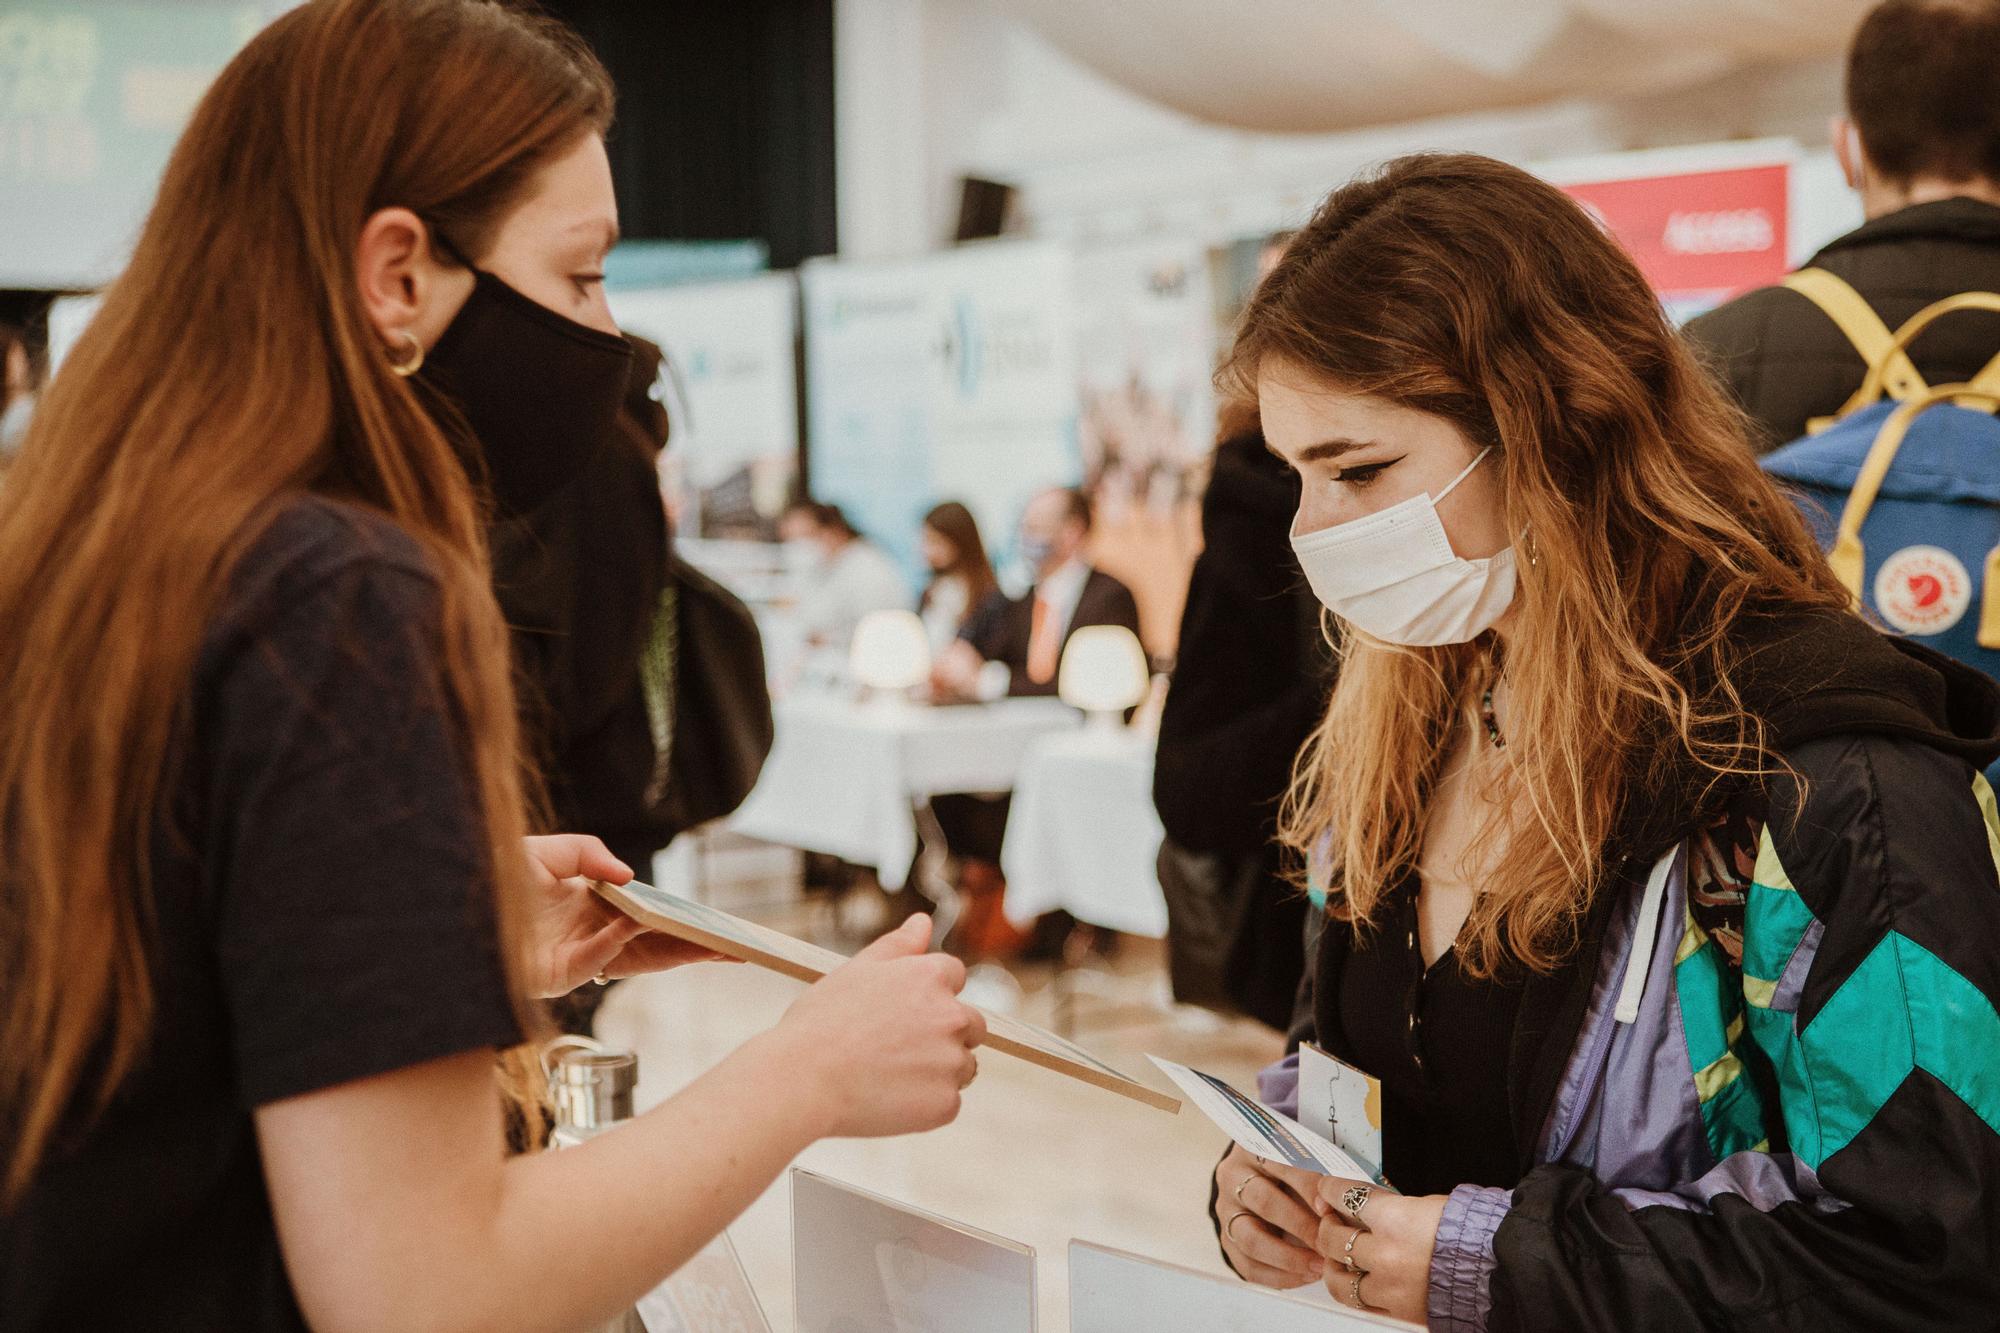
(324,913)
(1253,671)
(1438,1039)
(1786,362)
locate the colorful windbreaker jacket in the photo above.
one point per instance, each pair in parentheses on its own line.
(1765,1091)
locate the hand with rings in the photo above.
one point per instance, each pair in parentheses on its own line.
(1265,1221)
(1379,1244)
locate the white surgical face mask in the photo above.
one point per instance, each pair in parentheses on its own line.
(1393,574)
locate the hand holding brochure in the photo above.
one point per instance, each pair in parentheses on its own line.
(733,937)
(1260,1130)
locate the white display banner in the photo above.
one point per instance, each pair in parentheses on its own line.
(1146,342)
(733,459)
(1146,362)
(948,377)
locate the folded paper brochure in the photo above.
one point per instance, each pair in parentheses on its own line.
(733,937)
(1268,1134)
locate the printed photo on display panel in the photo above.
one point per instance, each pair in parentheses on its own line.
(730,384)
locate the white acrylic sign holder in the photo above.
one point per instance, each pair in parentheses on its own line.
(863,1264)
(1111,1291)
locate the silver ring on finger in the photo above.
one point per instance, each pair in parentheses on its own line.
(1238,1191)
(1227,1232)
(1347,1254)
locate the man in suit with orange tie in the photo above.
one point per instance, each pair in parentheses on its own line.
(1014,647)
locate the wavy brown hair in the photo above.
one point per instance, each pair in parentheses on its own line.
(1468,289)
(231,366)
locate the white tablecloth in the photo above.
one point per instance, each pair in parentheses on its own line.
(1082,835)
(843,775)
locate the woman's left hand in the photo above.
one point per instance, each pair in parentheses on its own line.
(575,936)
(1391,1250)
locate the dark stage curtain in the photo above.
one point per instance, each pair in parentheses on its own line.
(725,118)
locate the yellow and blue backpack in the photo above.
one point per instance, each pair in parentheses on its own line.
(1902,485)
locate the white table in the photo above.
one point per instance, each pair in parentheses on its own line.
(844,776)
(1083,837)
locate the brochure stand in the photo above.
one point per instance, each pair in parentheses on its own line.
(861,1262)
(1111,1291)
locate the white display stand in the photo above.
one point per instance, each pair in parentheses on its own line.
(862,1264)
(1111,1291)
(708,1294)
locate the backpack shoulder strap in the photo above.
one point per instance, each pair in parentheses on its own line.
(1861,326)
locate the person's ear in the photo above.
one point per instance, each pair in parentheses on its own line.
(1847,150)
(405,292)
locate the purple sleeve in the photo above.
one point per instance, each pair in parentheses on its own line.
(1461,1294)
(1278,1086)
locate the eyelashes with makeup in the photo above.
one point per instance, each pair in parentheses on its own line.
(1364,473)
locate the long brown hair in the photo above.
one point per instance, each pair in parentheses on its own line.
(1464,288)
(955,523)
(230,366)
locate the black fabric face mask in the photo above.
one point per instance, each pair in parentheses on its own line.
(539,390)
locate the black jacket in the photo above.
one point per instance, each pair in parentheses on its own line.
(1786,362)
(580,581)
(1250,682)
(1001,629)
(1253,670)
(1879,1075)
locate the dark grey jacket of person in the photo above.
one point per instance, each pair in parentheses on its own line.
(1787,362)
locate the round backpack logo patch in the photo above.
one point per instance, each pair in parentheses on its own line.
(1922,590)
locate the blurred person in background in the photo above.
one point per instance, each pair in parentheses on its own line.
(962,581)
(271,907)
(17,390)
(1920,143)
(845,577)
(1659,888)
(1250,683)
(1014,647)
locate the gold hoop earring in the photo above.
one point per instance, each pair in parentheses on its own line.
(406,368)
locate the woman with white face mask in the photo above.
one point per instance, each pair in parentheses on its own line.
(1660,889)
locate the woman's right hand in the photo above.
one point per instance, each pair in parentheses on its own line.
(1269,1230)
(885,1040)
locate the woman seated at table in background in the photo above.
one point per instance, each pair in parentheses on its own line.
(1662,889)
(269,911)
(962,580)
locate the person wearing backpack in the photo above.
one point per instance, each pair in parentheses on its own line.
(1659,888)
(1920,143)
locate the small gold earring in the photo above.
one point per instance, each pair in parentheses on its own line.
(406,368)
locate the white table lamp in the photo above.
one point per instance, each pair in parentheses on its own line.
(891,653)
(1103,673)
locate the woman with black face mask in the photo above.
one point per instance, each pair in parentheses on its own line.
(270,908)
